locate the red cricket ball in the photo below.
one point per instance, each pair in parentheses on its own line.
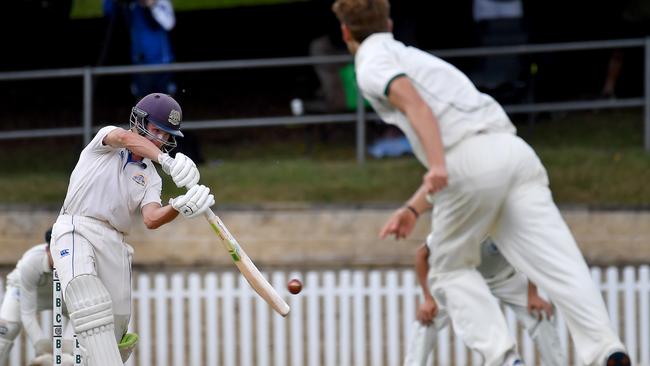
(294,286)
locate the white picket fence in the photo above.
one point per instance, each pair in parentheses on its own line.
(341,318)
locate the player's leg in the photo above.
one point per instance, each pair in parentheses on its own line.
(534,238)
(422,339)
(115,273)
(476,315)
(91,315)
(464,213)
(513,292)
(545,334)
(87,300)
(9,322)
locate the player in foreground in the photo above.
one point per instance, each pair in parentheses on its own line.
(486,181)
(112,184)
(507,285)
(28,292)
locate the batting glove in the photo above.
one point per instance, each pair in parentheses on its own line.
(181,168)
(193,203)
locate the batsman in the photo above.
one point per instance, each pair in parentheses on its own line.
(113,184)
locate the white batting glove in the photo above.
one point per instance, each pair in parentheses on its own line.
(181,168)
(193,203)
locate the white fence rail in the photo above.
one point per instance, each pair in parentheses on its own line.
(341,318)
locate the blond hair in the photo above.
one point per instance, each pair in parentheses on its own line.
(363,17)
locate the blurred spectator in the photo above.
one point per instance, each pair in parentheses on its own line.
(149,23)
(331,92)
(630,18)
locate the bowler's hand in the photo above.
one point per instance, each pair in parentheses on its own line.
(427,311)
(400,224)
(436,178)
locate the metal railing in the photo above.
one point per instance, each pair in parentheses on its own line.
(360,117)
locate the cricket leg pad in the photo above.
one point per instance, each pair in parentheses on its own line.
(91,314)
(8,332)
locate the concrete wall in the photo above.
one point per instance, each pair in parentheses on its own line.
(328,237)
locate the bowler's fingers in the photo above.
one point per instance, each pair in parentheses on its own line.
(388,229)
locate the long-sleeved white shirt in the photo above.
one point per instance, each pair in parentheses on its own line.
(33,276)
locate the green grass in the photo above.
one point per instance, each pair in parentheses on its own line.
(592,159)
(93,8)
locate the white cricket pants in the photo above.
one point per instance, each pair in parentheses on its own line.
(511,291)
(499,188)
(83,245)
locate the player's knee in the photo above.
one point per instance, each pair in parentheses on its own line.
(9,330)
(89,304)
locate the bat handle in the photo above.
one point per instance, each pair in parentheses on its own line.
(209,214)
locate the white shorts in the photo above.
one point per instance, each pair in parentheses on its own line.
(82,245)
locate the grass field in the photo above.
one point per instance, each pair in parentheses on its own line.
(593,159)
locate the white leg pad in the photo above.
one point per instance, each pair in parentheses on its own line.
(91,314)
(8,332)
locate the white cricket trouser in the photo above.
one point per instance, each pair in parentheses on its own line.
(499,188)
(512,292)
(83,245)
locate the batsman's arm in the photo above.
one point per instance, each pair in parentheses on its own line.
(138,145)
(246,266)
(155,215)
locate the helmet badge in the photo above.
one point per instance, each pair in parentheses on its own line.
(174,117)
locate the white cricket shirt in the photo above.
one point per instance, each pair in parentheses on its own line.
(460,108)
(107,185)
(33,276)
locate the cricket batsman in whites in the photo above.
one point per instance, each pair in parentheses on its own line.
(114,183)
(485,182)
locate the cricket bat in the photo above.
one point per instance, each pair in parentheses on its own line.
(246,266)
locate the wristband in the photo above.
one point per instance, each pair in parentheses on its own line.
(415,212)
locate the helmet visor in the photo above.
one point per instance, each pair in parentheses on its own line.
(139,120)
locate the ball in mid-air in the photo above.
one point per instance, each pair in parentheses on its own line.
(294,286)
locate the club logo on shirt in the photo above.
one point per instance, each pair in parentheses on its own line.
(64,253)
(174,117)
(140,179)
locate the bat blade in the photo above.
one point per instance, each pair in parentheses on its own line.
(246,266)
